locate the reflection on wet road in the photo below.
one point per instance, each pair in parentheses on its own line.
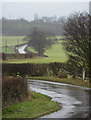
(21,49)
(73,99)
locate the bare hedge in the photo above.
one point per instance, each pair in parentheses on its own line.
(34,69)
(14,89)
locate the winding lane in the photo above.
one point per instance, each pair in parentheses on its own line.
(21,49)
(73,99)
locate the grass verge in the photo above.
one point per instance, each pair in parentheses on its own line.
(63,80)
(38,106)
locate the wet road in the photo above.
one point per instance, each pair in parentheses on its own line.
(73,99)
(21,49)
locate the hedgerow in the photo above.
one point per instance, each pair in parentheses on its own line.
(14,89)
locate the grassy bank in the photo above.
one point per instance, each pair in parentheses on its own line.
(38,106)
(63,80)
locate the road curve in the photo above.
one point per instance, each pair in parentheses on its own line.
(21,49)
(73,99)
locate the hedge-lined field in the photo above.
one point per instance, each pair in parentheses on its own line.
(55,53)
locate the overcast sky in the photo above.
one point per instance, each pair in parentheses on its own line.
(27,10)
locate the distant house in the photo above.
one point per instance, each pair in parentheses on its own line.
(49,19)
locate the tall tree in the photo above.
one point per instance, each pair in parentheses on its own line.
(39,40)
(77,43)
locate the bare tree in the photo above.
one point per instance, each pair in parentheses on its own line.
(77,43)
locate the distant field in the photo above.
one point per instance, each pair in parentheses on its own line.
(10,41)
(55,53)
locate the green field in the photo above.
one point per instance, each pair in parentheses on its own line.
(10,42)
(55,53)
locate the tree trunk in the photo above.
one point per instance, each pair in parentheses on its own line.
(83,74)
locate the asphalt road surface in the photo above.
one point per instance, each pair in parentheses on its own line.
(73,99)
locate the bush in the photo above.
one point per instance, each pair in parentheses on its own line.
(14,89)
(63,75)
(3,56)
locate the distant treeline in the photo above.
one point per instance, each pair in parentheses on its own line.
(22,27)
